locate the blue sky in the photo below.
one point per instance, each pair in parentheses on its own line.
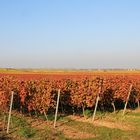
(70,33)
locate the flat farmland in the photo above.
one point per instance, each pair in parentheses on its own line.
(35,98)
(64,74)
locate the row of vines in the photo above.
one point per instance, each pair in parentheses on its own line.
(40,95)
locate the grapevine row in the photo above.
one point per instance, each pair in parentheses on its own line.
(40,95)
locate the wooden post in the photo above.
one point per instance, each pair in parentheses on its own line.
(9,117)
(83,109)
(127,99)
(138,104)
(57,108)
(97,99)
(45,115)
(96,105)
(113,105)
(73,112)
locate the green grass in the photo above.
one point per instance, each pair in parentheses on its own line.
(131,118)
(48,134)
(23,129)
(101,133)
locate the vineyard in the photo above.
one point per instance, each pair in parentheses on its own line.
(39,96)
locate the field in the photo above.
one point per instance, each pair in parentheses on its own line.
(35,99)
(27,74)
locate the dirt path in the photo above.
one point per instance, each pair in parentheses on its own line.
(69,132)
(107,123)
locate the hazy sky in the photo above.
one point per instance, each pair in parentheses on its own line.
(70,33)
